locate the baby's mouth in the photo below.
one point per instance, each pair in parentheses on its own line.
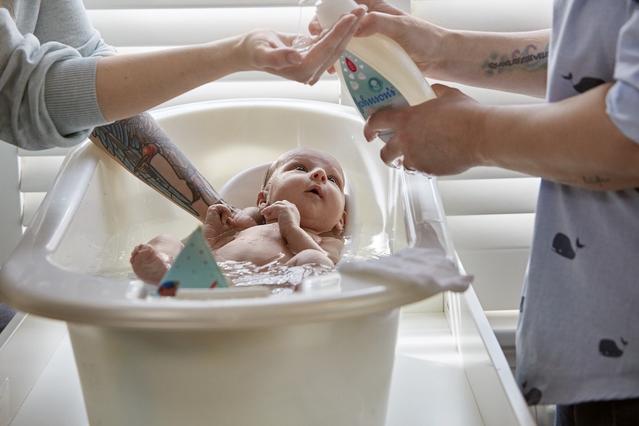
(315,191)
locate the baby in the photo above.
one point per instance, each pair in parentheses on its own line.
(299,219)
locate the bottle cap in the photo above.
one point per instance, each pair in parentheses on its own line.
(329,11)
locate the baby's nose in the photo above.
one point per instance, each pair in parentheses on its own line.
(319,175)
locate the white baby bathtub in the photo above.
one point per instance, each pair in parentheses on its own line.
(316,358)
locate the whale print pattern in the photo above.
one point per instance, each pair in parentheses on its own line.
(585,83)
(577,334)
(562,245)
(610,349)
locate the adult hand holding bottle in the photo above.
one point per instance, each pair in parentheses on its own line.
(418,38)
(442,136)
(437,136)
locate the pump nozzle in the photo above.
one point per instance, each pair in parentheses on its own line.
(329,11)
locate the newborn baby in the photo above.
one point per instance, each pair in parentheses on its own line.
(299,219)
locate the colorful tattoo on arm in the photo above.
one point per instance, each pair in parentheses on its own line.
(144,149)
(528,59)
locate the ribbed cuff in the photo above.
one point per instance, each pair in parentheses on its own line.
(70,95)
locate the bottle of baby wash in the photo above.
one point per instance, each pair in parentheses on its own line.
(375,70)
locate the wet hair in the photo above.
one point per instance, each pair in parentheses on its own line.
(269,172)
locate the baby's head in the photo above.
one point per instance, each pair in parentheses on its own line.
(314,182)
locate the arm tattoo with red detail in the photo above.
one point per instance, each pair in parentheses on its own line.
(145,150)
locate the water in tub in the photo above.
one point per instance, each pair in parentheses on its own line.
(303,208)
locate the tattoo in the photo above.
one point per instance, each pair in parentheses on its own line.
(136,141)
(529,59)
(595,180)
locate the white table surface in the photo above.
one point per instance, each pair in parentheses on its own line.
(429,384)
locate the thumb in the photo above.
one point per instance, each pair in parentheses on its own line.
(280,57)
(442,90)
(314,26)
(383,23)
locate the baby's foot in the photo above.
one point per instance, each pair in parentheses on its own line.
(149,264)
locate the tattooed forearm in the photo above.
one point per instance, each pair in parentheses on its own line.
(144,149)
(528,59)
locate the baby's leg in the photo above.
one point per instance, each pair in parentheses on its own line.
(150,261)
(310,256)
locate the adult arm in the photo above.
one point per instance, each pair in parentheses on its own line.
(47,87)
(575,141)
(590,140)
(515,62)
(130,84)
(146,151)
(53,95)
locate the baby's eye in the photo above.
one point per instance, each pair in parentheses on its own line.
(301,167)
(332,179)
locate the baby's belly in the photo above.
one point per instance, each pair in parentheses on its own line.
(259,244)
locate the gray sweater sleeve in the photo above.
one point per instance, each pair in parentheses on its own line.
(47,88)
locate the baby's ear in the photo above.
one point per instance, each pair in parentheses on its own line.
(261,198)
(341,224)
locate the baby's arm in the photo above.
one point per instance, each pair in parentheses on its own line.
(333,247)
(298,241)
(329,256)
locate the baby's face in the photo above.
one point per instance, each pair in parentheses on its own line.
(314,182)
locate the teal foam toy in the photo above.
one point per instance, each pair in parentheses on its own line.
(194,267)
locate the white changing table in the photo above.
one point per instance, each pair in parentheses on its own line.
(442,376)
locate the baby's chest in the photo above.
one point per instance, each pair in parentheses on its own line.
(260,234)
(259,244)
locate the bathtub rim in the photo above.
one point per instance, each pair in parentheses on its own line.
(30,263)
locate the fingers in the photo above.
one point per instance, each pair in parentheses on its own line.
(443,90)
(391,151)
(334,42)
(275,51)
(273,211)
(277,208)
(284,57)
(380,6)
(383,120)
(409,164)
(218,216)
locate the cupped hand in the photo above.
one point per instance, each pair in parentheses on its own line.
(275,53)
(442,136)
(286,213)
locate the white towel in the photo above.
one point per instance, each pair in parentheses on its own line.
(428,268)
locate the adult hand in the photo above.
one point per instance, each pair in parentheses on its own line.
(440,137)
(420,39)
(274,52)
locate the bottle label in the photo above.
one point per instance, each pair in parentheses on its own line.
(369,90)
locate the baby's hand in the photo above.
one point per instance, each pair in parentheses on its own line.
(243,218)
(286,213)
(218,221)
